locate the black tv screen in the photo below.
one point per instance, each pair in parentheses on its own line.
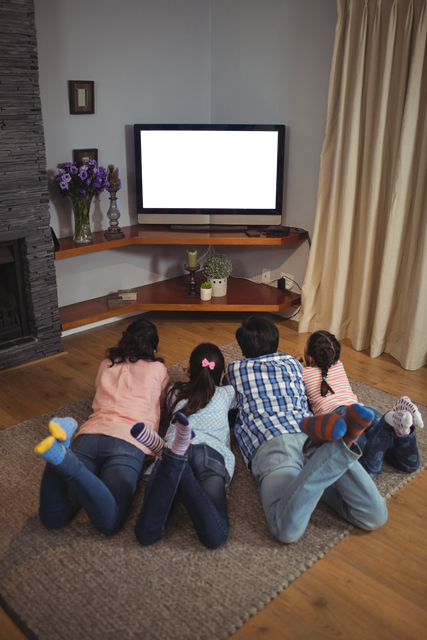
(209,174)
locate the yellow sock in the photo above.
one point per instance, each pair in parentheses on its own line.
(44,445)
(51,450)
(62,429)
(57,431)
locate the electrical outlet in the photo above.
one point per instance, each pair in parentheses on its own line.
(289,281)
(265,276)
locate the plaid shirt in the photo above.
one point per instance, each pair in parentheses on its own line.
(270,398)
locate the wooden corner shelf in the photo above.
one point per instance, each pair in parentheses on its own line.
(140,234)
(168,295)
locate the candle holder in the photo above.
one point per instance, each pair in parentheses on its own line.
(113,215)
(191,291)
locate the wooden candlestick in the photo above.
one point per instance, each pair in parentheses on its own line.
(191,291)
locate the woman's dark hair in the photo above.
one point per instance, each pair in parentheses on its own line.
(203,380)
(258,336)
(139,342)
(325,350)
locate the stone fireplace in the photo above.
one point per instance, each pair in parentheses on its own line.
(13,303)
(29,316)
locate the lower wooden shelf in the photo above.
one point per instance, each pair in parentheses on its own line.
(168,295)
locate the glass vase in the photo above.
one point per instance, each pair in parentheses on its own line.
(81,208)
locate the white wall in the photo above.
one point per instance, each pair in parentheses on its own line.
(181,61)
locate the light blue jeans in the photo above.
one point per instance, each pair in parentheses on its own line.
(291,481)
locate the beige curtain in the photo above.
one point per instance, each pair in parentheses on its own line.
(366,277)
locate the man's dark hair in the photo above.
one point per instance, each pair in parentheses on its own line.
(258,336)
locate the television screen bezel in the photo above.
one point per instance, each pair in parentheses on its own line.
(172,216)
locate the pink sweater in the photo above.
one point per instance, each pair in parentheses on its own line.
(337,380)
(127,393)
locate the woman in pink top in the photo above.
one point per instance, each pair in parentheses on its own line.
(390,437)
(100,468)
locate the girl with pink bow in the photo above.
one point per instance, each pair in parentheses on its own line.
(195,463)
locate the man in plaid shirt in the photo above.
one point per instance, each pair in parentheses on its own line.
(291,471)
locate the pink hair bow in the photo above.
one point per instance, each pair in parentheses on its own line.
(206,363)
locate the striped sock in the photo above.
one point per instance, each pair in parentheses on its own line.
(405,404)
(357,418)
(62,429)
(183,436)
(148,437)
(328,426)
(50,450)
(401,421)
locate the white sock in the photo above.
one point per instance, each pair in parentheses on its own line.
(405,404)
(401,421)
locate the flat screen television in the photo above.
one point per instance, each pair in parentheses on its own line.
(209,174)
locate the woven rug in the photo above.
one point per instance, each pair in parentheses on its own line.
(76,583)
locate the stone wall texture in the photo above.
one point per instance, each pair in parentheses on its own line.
(24,202)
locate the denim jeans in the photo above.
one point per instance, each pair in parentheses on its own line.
(98,473)
(198,479)
(293,474)
(379,442)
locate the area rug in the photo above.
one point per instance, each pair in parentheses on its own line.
(76,583)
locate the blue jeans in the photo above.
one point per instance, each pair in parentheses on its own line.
(198,479)
(98,473)
(293,474)
(379,442)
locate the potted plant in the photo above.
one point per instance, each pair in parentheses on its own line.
(205,291)
(217,268)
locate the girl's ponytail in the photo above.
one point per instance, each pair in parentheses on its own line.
(206,367)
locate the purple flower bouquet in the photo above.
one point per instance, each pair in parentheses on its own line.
(81,184)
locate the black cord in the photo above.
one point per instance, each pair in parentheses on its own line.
(305,232)
(294,281)
(295,314)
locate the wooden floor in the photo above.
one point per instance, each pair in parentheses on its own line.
(370,586)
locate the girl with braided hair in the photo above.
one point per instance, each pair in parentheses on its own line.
(195,462)
(390,437)
(323,351)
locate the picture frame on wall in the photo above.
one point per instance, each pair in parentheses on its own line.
(82,96)
(81,156)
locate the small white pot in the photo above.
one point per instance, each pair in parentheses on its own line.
(205,294)
(219,287)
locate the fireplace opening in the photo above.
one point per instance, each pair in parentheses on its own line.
(13,309)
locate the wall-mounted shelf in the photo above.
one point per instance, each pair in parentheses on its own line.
(139,234)
(168,295)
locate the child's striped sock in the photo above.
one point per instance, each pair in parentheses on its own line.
(183,436)
(328,426)
(50,450)
(401,421)
(357,418)
(148,437)
(405,404)
(62,429)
